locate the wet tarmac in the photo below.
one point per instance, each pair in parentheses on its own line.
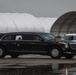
(37,65)
(47,69)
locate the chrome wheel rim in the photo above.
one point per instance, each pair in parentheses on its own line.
(1,51)
(55,52)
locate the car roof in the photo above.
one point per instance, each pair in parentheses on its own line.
(70,34)
(26,33)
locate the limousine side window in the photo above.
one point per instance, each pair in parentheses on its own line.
(37,38)
(18,37)
(27,37)
(7,37)
(30,37)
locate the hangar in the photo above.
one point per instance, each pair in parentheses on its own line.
(24,22)
(64,24)
(19,22)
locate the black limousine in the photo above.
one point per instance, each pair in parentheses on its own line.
(18,43)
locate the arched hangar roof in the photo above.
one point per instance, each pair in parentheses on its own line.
(65,24)
(19,22)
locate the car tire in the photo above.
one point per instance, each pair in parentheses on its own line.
(14,55)
(2,52)
(69,56)
(55,52)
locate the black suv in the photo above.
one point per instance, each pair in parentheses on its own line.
(70,42)
(18,43)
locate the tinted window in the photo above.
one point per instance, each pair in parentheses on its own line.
(13,37)
(67,38)
(36,37)
(1,35)
(71,38)
(74,37)
(30,37)
(27,37)
(7,37)
(48,36)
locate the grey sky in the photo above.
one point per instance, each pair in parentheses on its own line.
(39,8)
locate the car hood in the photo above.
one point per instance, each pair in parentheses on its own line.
(66,41)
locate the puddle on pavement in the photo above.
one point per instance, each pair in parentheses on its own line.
(33,69)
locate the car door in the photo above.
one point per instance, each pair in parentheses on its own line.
(39,44)
(30,44)
(25,44)
(20,43)
(9,43)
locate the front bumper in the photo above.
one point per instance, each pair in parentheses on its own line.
(69,51)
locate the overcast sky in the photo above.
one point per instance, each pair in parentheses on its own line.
(39,8)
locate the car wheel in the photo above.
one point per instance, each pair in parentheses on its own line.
(2,52)
(55,52)
(69,56)
(14,55)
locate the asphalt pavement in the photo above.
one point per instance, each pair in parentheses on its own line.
(35,59)
(37,63)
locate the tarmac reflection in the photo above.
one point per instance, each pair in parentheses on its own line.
(33,69)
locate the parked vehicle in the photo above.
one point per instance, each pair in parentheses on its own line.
(70,41)
(18,43)
(69,37)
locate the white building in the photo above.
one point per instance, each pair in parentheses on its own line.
(23,22)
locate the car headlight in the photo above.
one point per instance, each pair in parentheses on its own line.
(66,44)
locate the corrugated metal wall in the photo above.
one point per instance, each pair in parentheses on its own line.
(65,24)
